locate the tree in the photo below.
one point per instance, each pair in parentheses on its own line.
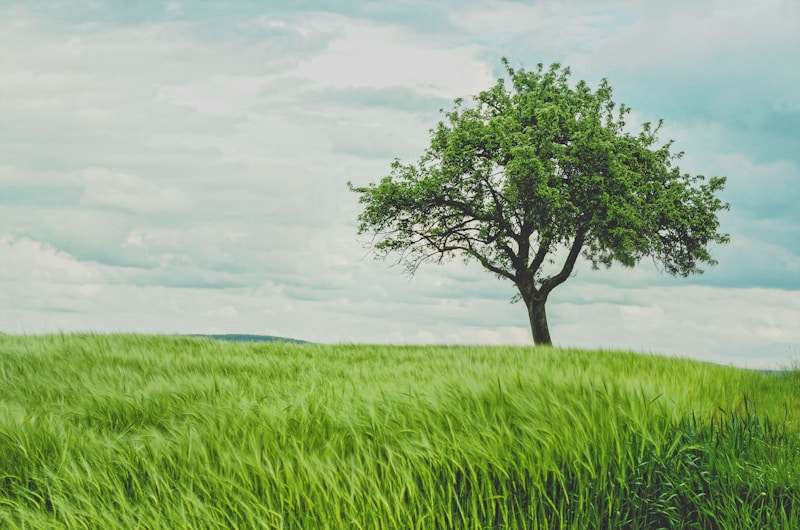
(534,175)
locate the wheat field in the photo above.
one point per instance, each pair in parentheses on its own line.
(138,431)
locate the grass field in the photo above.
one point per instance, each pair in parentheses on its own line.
(132,431)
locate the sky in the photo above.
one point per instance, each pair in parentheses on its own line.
(182,167)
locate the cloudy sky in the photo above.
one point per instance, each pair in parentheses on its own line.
(181,167)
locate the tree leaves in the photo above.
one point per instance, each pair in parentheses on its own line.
(538,167)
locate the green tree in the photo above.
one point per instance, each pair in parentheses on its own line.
(534,175)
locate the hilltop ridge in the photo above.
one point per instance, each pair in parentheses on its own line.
(239,337)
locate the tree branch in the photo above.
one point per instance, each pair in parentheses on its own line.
(538,259)
(443,247)
(554,281)
(483,260)
(515,258)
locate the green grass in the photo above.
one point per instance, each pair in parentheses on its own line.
(131,431)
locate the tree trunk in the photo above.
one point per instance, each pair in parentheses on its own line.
(538,319)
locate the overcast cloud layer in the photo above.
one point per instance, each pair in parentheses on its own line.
(181,167)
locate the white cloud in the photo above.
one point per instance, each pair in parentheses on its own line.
(637,315)
(227,312)
(135,239)
(745,327)
(723,61)
(545,31)
(114,189)
(369,54)
(25,257)
(218,94)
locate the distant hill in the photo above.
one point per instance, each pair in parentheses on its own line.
(250,338)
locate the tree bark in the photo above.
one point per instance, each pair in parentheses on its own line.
(538,318)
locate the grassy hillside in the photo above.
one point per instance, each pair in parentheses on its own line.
(132,431)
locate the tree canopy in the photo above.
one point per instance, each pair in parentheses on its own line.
(533,175)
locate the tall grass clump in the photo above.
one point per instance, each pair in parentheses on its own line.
(132,431)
